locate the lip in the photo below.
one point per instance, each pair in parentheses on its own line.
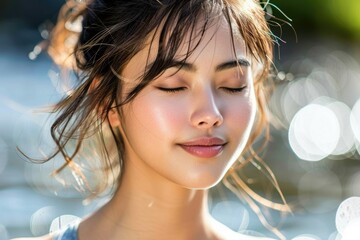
(204,147)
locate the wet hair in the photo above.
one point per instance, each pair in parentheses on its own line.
(111,32)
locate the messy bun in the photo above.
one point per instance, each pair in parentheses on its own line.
(65,35)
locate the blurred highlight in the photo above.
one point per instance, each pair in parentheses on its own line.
(348,219)
(322,108)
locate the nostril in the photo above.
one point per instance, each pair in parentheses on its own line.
(206,115)
(210,123)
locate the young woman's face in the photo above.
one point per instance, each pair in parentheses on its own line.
(190,125)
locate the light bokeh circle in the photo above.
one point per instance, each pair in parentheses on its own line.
(314,132)
(41,219)
(355,119)
(351,231)
(346,142)
(348,214)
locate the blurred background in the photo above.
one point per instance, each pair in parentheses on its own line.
(315,145)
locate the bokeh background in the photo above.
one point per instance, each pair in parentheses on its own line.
(315,145)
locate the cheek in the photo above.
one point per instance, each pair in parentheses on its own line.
(240,122)
(241,118)
(160,119)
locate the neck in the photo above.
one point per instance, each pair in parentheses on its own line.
(151,207)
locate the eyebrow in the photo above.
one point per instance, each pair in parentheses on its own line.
(223,66)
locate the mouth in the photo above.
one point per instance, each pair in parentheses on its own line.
(204,147)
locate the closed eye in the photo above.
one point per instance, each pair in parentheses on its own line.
(172,90)
(234,90)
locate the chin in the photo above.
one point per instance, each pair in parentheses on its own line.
(202,181)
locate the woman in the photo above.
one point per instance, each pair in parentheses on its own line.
(181,87)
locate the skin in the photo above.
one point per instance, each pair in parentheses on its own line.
(163,193)
(156,121)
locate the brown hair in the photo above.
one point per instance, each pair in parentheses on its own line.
(112,33)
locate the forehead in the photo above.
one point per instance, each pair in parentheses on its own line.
(219,41)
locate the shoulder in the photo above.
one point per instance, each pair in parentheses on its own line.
(46,237)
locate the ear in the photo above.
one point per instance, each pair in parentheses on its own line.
(113,114)
(114,118)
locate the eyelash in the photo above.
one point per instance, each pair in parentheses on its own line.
(230,90)
(234,90)
(171,90)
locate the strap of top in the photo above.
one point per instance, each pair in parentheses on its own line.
(69,233)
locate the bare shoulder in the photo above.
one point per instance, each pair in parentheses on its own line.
(46,237)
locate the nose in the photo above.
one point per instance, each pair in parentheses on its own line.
(206,112)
